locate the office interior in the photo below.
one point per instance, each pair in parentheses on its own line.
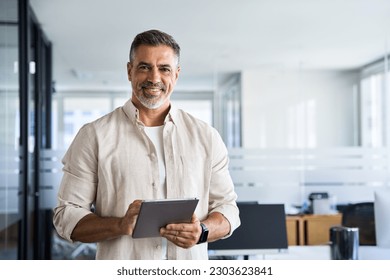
(299,91)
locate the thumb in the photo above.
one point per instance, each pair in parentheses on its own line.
(194,219)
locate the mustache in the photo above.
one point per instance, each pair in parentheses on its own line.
(149,84)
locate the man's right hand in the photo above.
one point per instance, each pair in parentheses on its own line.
(128,221)
(93,228)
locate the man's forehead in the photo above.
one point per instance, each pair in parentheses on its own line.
(160,50)
(149,54)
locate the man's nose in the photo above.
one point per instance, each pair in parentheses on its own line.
(154,76)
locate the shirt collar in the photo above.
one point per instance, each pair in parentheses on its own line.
(133,113)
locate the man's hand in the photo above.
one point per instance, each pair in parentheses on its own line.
(127,223)
(93,228)
(184,235)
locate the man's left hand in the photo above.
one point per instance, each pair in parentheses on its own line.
(184,235)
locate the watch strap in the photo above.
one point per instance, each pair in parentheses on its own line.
(204,234)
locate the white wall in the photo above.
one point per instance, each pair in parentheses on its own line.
(296,109)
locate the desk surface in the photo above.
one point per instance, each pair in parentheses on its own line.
(322,252)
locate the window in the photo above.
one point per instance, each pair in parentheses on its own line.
(201,109)
(301,120)
(70,113)
(375,112)
(72,110)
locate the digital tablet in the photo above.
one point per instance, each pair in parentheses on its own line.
(155,214)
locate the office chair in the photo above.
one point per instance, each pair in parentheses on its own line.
(362,216)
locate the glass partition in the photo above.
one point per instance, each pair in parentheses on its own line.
(9,131)
(25,99)
(328,128)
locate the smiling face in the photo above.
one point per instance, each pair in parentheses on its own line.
(153,74)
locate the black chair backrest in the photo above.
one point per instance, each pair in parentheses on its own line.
(362,216)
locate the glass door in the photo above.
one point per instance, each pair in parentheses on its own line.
(36,100)
(25,128)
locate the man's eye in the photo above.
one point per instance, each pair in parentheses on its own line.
(143,67)
(166,69)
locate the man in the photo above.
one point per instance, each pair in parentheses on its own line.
(146,149)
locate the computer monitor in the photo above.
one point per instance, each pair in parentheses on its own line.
(263,229)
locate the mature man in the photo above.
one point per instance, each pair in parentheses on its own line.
(146,149)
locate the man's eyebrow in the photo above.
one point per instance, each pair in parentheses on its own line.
(143,63)
(165,65)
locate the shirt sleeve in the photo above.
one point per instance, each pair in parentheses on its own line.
(78,186)
(222,195)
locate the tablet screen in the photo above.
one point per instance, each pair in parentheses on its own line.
(155,214)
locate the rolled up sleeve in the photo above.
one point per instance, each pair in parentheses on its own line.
(222,195)
(78,186)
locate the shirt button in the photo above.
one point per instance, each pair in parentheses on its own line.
(153,184)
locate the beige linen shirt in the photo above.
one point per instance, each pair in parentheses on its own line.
(112,162)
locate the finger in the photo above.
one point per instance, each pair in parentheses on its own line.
(136,203)
(180,227)
(180,236)
(132,211)
(182,241)
(179,240)
(171,234)
(134,207)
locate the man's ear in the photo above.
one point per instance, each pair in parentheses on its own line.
(129,67)
(177,72)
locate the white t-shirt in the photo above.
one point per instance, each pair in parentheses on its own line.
(155,134)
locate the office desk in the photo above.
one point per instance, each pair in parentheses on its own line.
(310,229)
(293,224)
(316,228)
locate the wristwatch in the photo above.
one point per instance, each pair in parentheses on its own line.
(204,234)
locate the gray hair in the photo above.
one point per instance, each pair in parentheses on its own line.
(154,38)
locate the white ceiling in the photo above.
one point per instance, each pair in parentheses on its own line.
(91,38)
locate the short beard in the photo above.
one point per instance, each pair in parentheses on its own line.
(147,102)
